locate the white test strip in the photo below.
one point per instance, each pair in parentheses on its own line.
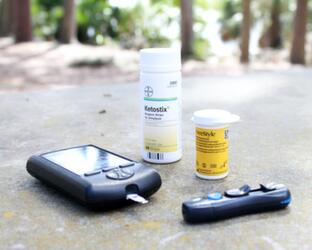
(137,198)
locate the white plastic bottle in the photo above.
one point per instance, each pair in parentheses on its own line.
(160,93)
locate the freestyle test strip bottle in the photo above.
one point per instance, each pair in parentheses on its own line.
(160,94)
(212,142)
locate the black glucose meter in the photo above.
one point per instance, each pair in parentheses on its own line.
(94,176)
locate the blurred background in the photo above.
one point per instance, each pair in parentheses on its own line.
(63,43)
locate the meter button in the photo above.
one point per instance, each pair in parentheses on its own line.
(127,165)
(92,173)
(126,173)
(112,175)
(119,174)
(106,169)
(214,196)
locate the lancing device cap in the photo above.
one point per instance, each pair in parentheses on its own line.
(214,117)
(160,60)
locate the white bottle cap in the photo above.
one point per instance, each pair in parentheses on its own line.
(211,117)
(160,60)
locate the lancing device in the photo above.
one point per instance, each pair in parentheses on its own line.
(236,202)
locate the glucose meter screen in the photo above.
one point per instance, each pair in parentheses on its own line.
(84,159)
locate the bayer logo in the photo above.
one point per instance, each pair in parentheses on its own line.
(148,91)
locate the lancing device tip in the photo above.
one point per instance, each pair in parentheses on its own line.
(136,198)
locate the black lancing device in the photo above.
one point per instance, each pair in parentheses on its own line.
(95,177)
(235,202)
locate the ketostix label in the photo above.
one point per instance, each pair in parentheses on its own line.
(160,124)
(211,151)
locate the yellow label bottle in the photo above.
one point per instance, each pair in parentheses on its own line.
(212,151)
(211,139)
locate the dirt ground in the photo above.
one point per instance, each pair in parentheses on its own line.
(42,65)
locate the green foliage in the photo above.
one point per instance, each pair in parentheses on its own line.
(95,19)
(230,19)
(201,48)
(204,4)
(157,22)
(46,15)
(99,22)
(137,26)
(201,44)
(171,3)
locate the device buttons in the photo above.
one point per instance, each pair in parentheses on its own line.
(196,199)
(271,186)
(267,187)
(106,169)
(92,173)
(120,174)
(127,165)
(214,196)
(237,192)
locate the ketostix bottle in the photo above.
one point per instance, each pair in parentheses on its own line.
(160,93)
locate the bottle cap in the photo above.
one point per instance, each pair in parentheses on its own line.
(213,117)
(160,59)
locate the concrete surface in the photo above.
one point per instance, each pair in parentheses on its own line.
(272,143)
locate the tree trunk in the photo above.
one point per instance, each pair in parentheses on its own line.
(68,24)
(187,34)
(245,30)
(275,29)
(298,42)
(6,17)
(272,36)
(23,25)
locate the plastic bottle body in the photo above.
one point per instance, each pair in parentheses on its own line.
(212,142)
(160,94)
(211,151)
